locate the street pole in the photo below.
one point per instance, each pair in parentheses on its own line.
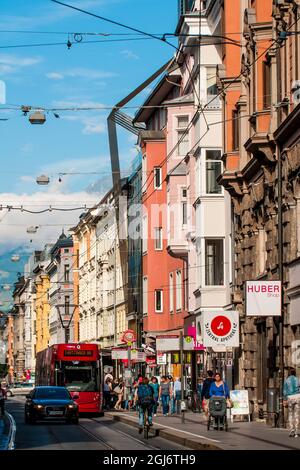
(280,250)
(115,295)
(280,262)
(182,377)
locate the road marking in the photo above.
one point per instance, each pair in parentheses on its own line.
(12,432)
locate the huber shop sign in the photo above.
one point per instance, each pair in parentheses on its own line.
(263,298)
(221,329)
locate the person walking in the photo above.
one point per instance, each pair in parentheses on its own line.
(106,393)
(219,388)
(165,394)
(119,390)
(291,397)
(205,391)
(176,394)
(155,386)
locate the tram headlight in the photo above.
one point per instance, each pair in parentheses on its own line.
(39,407)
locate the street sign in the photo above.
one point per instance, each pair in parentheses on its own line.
(221,329)
(263,298)
(161,359)
(119,353)
(128,337)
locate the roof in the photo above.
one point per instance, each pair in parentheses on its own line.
(185,99)
(161,91)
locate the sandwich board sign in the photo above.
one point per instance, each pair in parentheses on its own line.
(240,403)
(221,328)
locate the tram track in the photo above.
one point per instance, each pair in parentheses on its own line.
(118,431)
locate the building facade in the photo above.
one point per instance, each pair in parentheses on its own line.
(261,155)
(61,298)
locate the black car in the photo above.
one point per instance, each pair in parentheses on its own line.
(50,402)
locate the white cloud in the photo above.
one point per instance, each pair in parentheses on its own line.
(54,76)
(27,179)
(4,274)
(128,54)
(50,223)
(91,124)
(10,63)
(26,148)
(80,72)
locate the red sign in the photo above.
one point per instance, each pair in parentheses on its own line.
(128,337)
(151,361)
(221,325)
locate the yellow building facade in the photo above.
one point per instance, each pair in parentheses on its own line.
(42,308)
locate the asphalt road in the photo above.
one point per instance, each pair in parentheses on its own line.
(91,434)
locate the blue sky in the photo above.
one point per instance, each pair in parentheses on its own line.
(86,75)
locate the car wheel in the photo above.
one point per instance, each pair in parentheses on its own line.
(9,394)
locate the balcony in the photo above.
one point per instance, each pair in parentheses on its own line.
(185,6)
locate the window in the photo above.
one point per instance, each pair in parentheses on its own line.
(157,178)
(145,296)
(171,293)
(158,300)
(66,250)
(184,206)
(184,213)
(77,258)
(267,85)
(211,82)
(67,305)
(213,171)
(144,173)
(214,262)
(182,135)
(178,290)
(235,130)
(67,273)
(158,239)
(145,233)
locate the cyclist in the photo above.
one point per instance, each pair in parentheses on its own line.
(145,401)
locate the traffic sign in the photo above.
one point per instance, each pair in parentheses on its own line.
(128,337)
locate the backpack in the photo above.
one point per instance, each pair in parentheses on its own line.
(145,395)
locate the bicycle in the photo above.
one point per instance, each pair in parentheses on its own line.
(146,423)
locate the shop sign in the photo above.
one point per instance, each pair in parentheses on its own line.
(221,329)
(172,343)
(263,298)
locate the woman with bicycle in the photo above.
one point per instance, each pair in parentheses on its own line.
(145,401)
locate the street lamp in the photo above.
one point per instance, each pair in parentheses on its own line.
(32,229)
(43,180)
(37,118)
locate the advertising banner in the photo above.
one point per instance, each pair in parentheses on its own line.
(263,298)
(221,329)
(240,401)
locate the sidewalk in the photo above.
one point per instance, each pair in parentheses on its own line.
(193,433)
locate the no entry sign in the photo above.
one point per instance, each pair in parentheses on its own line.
(221,329)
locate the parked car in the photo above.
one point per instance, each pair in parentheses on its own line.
(51,402)
(19,388)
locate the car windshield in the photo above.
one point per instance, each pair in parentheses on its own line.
(81,376)
(52,394)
